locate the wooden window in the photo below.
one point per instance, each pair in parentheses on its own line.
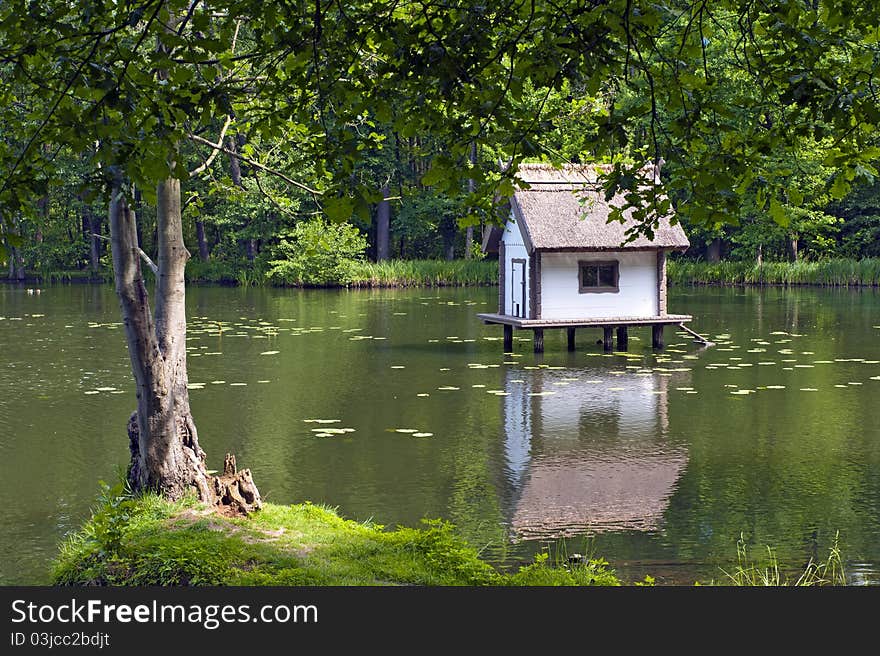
(598,277)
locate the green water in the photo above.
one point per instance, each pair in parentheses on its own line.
(658,461)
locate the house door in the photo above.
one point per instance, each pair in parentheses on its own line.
(518,288)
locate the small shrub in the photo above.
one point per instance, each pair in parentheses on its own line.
(318,254)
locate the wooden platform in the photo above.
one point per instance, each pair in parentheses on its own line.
(520,323)
(608,324)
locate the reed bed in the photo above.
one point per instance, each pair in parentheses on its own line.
(825,273)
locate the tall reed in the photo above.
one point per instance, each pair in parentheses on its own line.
(425,273)
(827,273)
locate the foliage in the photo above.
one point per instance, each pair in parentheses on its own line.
(749,573)
(318,254)
(564,571)
(425,273)
(831,273)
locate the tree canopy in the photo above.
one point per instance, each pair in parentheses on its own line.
(728,93)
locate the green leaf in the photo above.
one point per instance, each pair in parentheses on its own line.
(338,209)
(778,213)
(434,175)
(840,187)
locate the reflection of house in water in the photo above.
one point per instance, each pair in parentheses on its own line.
(587,451)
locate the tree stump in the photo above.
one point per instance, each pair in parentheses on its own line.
(235,492)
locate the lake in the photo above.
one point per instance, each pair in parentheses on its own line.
(657,461)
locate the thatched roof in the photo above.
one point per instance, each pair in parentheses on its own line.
(564,209)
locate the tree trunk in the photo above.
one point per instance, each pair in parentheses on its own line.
(469,232)
(793,248)
(713,250)
(204,253)
(19,265)
(235,173)
(94,242)
(138,213)
(450,251)
(165,452)
(15,256)
(383,226)
(760,258)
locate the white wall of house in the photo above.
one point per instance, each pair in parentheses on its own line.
(560,298)
(515,275)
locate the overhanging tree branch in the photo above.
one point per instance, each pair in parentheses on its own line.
(219,147)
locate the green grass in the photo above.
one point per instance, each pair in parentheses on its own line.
(425,273)
(390,273)
(827,273)
(151,541)
(751,574)
(147,540)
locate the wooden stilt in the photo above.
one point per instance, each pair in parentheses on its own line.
(539,340)
(570,338)
(622,338)
(508,338)
(657,335)
(608,338)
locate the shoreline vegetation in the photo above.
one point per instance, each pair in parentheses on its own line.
(148,540)
(840,272)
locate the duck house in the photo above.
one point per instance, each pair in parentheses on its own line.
(562,264)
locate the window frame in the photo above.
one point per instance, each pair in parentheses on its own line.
(598,290)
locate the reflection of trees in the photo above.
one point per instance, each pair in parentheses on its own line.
(786,468)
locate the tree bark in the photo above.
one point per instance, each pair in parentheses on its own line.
(235,173)
(165,454)
(469,232)
(760,257)
(19,265)
(204,253)
(138,213)
(793,248)
(163,440)
(383,226)
(94,242)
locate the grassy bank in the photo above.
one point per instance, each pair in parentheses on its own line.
(827,273)
(390,273)
(425,273)
(150,541)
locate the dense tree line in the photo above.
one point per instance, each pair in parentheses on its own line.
(679,95)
